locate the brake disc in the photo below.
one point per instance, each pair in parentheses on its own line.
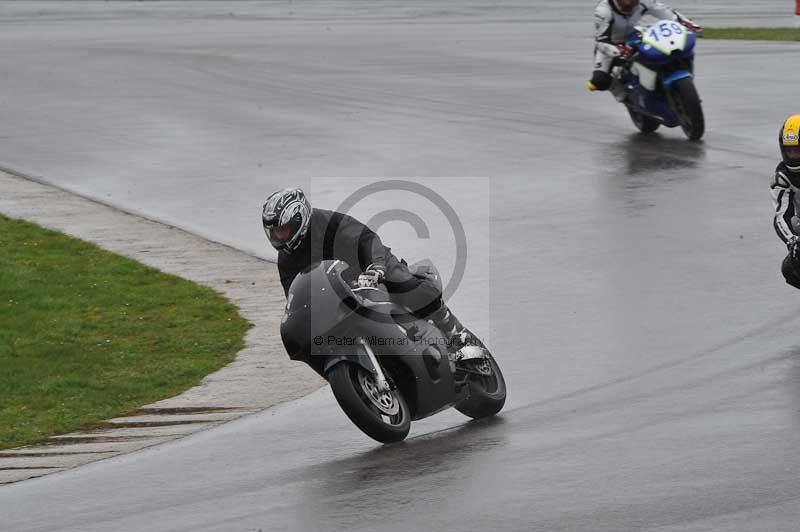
(385,401)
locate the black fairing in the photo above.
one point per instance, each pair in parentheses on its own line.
(325,319)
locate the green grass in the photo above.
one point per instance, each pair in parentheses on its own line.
(752,34)
(86,335)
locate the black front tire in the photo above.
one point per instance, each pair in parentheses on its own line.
(645,124)
(487,394)
(688,108)
(347,382)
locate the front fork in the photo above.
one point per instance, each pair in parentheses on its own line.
(380,378)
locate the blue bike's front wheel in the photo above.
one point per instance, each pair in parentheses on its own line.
(688,108)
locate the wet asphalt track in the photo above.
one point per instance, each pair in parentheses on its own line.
(651,348)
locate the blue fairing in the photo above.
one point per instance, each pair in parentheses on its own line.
(674,63)
(634,39)
(655,59)
(691,39)
(652,57)
(675,76)
(647,101)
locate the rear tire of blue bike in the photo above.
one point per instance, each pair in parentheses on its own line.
(643,123)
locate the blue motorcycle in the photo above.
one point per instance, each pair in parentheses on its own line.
(656,82)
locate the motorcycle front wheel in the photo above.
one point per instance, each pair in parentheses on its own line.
(688,108)
(487,389)
(382,415)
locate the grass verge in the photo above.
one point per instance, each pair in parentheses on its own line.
(752,34)
(86,335)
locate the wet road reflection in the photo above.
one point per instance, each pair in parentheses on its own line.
(656,155)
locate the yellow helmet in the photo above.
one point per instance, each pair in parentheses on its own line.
(789,141)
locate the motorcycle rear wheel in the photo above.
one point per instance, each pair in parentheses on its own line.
(383,416)
(688,108)
(487,393)
(645,124)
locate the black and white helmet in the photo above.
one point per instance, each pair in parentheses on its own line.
(285,217)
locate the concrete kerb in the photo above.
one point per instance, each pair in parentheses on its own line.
(261,375)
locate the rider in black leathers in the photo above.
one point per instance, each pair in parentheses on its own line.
(304,236)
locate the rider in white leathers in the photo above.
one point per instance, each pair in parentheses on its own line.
(614,21)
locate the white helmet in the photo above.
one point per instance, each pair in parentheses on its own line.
(625,7)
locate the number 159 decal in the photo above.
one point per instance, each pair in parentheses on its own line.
(665,30)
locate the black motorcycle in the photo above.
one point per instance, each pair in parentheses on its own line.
(385,366)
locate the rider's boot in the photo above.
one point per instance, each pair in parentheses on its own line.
(458,337)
